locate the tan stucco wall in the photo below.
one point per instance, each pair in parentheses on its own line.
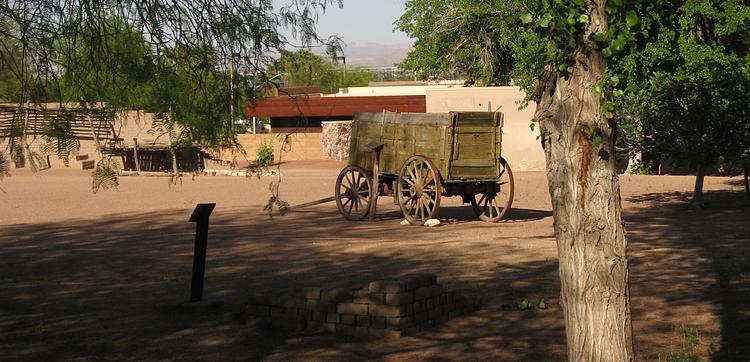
(520,147)
(303,146)
(127,125)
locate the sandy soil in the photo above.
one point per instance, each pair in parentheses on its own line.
(83,276)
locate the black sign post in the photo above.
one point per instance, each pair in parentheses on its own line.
(200,216)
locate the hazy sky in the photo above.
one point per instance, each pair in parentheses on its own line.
(363,21)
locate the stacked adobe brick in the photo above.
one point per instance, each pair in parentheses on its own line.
(380,308)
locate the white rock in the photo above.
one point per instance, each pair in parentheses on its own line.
(404,222)
(432,222)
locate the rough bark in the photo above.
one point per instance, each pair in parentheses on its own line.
(747,183)
(700,175)
(579,147)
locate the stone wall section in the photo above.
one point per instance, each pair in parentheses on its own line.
(382,308)
(336,140)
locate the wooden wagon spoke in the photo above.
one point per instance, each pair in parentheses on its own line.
(418,190)
(412,173)
(351,205)
(353,192)
(481,200)
(496,197)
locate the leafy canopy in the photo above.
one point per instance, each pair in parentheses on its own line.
(302,68)
(164,56)
(677,75)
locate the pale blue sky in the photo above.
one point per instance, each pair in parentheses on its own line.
(363,21)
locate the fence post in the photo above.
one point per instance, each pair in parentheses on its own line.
(200,216)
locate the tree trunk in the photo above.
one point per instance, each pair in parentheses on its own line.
(579,147)
(747,183)
(698,190)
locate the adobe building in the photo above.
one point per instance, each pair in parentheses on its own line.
(302,120)
(96,132)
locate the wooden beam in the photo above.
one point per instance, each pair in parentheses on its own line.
(333,106)
(135,156)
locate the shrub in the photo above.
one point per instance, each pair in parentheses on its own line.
(640,168)
(4,166)
(104,177)
(265,154)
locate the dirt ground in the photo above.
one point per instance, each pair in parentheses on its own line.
(84,276)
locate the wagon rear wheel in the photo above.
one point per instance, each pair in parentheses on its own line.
(493,199)
(418,190)
(353,193)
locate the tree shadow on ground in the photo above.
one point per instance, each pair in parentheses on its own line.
(465,213)
(93,288)
(83,289)
(689,265)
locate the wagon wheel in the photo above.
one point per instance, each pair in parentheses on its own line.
(353,193)
(418,190)
(496,197)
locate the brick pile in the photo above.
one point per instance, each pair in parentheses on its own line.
(387,308)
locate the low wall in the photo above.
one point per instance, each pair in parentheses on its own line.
(301,146)
(383,308)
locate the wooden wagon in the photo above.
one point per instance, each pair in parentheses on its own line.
(419,157)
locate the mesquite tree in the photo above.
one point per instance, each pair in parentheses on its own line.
(166,56)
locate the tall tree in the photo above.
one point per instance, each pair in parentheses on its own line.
(303,68)
(686,92)
(15,70)
(558,54)
(97,48)
(471,39)
(578,141)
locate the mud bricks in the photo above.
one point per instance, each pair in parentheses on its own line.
(386,308)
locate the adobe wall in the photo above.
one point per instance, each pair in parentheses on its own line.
(520,146)
(127,125)
(302,146)
(382,308)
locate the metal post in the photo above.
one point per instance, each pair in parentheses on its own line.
(200,216)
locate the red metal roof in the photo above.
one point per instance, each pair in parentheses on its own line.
(333,106)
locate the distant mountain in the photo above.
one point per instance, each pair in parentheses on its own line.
(375,55)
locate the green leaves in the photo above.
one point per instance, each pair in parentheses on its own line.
(466,39)
(631,19)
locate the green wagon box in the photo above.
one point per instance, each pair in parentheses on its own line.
(419,157)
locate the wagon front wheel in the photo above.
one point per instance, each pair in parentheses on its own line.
(493,199)
(353,193)
(418,190)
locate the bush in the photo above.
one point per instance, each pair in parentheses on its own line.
(265,154)
(640,168)
(104,177)
(4,166)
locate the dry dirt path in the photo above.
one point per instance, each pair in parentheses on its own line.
(83,275)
